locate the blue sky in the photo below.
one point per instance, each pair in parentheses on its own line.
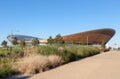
(42,18)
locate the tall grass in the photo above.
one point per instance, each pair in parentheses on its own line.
(38,63)
(17,52)
(68,53)
(56,50)
(48,50)
(6,70)
(4,52)
(6,60)
(83,51)
(41,58)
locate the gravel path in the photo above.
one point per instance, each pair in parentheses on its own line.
(101,66)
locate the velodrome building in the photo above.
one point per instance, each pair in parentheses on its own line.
(88,37)
(28,39)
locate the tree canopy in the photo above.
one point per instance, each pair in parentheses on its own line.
(35,42)
(4,43)
(22,43)
(50,40)
(58,39)
(14,41)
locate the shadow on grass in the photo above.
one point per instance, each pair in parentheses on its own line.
(19,77)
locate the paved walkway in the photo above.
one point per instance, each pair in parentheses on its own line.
(101,66)
(19,77)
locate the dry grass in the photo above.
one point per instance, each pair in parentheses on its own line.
(38,63)
(55,60)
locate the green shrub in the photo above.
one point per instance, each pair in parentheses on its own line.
(48,50)
(83,51)
(17,51)
(68,53)
(54,50)
(6,60)
(4,52)
(6,70)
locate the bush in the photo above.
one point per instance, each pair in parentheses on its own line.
(6,70)
(48,50)
(55,60)
(47,57)
(32,64)
(17,52)
(6,60)
(37,63)
(69,53)
(4,52)
(83,51)
(56,50)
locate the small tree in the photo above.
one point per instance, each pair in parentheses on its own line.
(58,39)
(14,41)
(35,42)
(74,42)
(4,43)
(22,43)
(50,40)
(83,42)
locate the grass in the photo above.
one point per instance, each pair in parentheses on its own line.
(15,51)
(56,50)
(4,52)
(37,63)
(40,58)
(6,60)
(48,50)
(6,70)
(55,60)
(83,51)
(68,53)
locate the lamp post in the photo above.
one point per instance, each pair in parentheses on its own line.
(87,40)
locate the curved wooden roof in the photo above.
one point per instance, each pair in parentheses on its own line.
(91,37)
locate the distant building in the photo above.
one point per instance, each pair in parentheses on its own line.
(93,37)
(28,39)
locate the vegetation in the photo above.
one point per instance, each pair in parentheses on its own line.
(6,70)
(50,40)
(4,43)
(6,60)
(4,52)
(17,52)
(83,51)
(83,42)
(22,43)
(35,42)
(74,42)
(37,63)
(12,52)
(15,42)
(59,40)
(35,59)
(103,44)
(68,53)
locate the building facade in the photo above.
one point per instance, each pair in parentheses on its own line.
(89,37)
